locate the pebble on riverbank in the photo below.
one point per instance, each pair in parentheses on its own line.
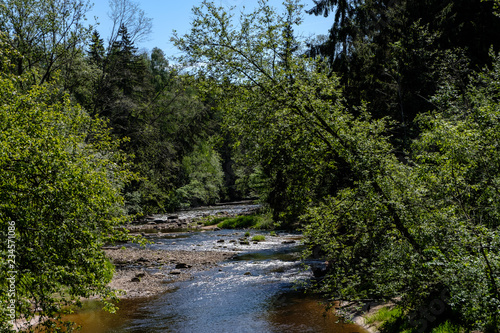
(143,272)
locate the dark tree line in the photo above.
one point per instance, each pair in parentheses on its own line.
(159,112)
(392,53)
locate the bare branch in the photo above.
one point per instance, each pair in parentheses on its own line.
(129,14)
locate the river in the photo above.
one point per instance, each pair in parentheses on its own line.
(259,290)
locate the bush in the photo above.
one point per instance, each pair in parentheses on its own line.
(447,327)
(211,220)
(258,238)
(246,221)
(383,315)
(265,221)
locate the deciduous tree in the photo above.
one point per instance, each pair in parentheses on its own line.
(420,227)
(61,178)
(47,35)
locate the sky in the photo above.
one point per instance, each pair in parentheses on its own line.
(169,15)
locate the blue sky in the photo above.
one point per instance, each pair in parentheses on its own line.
(171,15)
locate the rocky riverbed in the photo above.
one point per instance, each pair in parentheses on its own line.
(146,272)
(143,272)
(190,219)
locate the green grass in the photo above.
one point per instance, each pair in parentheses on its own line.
(259,221)
(212,220)
(246,221)
(265,222)
(393,320)
(383,315)
(447,327)
(258,238)
(247,234)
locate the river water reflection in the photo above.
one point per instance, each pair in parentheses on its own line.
(256,291)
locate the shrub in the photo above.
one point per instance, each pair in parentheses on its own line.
(213,220)
(246,221)
(383,315)
(258,238)
(265,221)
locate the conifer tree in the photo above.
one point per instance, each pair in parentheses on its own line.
(124,85)
(96,51)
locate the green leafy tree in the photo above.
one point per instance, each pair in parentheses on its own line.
(422,228)
(171,126)
(458,162)
(284,109)
(160,70)
(445,198)
(163,117)
(336,47)
(46,34)
(205,176)
(394,48)
(61,178)
(79,78)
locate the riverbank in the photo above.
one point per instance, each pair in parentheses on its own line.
(376,316)
(360,313)
(191,219)
(144,272)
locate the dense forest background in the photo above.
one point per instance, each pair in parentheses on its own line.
(379,140)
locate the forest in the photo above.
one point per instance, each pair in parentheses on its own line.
(379,141)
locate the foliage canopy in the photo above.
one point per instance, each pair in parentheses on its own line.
(415,226)
(60,188)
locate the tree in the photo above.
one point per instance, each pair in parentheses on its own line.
(160,70)
(128,13)
(423,228)
(96,50)
(47,35)
(341,30)
(61,178)
(204,171)
(124,85)
(395,47)
(287,110)
(458,162)
(161,116)
(167,130)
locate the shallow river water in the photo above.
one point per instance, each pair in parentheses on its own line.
(256,291)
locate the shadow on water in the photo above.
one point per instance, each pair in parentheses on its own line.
(298,312)
(93,319)
(288,311)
